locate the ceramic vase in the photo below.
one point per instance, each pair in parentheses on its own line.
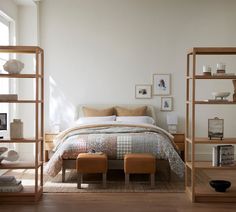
(16,129)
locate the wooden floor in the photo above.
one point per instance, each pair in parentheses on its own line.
(112,202)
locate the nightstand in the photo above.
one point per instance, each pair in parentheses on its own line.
(179,139)
(48,144)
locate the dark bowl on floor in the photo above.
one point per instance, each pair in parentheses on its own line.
(220,185)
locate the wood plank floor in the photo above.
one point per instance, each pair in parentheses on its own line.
(114,202)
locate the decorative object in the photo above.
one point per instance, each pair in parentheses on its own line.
(206,69)
(166,104)
(220,185)
(161,84)
(220,95)
(215,128)
(12,155)
(223,155)
(234,95)
(3,121)
(8,97)
(143,91)
(13,66)
(220,68)
(172,121)
(16,129)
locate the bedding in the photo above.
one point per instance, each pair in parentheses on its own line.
(99,119)
(136,119)
(114,139)
(139,111)
(92,112)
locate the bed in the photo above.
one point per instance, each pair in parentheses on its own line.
(115,138)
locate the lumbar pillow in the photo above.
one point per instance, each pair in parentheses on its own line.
(139,111)
(91,112)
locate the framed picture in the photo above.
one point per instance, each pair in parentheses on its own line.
(161,84)
(166,103)
(216,128)
(3,121)
(143,91)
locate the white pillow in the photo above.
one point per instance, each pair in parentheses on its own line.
(136,119)
(90,120)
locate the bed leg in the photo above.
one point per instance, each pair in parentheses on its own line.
(63,174)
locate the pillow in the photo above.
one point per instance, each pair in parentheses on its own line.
(90,120)
(140,111)
(91,112)
(136,119)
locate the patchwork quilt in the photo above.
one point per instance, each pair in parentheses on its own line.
(115,140)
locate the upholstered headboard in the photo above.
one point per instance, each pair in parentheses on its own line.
(150,108)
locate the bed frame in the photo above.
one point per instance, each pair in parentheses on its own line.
(163,166)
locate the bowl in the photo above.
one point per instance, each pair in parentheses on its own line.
(220,95)
(220,185)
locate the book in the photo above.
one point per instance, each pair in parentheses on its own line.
(8,97)
(223,155)
(15,183)
(224,74)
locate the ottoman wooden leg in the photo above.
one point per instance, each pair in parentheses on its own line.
(79,180)
(152,176)
(126,179)
(104,179)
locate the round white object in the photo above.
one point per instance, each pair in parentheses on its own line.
(13,66)
(220,94)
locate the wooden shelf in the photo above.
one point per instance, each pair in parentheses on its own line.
(208,165)
(20,49)
(28,194)
(19,165)
(215,103)
(215,141)
(215,77)
(21,101)
(212,50)
(23,140)
(20,76)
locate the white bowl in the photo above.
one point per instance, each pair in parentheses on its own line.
(220,95)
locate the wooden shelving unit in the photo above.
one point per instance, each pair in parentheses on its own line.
(29,193)
(196,191)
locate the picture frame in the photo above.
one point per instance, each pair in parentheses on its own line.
(161,84)
(215,128)
(166,103)
(3,121)
(143,91)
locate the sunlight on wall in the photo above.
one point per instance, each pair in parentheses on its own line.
(61,110)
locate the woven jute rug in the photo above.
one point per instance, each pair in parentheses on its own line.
(93,182)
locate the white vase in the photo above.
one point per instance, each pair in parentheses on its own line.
(16,129)
(13,66)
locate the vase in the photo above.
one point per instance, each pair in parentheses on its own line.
(234,95)
(16,129)
(13,66)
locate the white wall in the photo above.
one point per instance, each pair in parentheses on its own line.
(97,50)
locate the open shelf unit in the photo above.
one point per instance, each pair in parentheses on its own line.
(29,193)
(196,192)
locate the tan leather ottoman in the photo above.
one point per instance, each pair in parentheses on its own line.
(140,163)
(91,163)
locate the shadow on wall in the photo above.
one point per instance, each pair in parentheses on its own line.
(61,110)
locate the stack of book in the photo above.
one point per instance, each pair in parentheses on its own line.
(223,155)
(10,184)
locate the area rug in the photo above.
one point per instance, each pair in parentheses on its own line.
(92,183)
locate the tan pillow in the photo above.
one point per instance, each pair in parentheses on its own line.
(140,111)
(91,112)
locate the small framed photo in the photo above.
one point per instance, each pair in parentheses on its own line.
(143,91)
(166,103)
(3,121)
(161,84)
(216,128)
